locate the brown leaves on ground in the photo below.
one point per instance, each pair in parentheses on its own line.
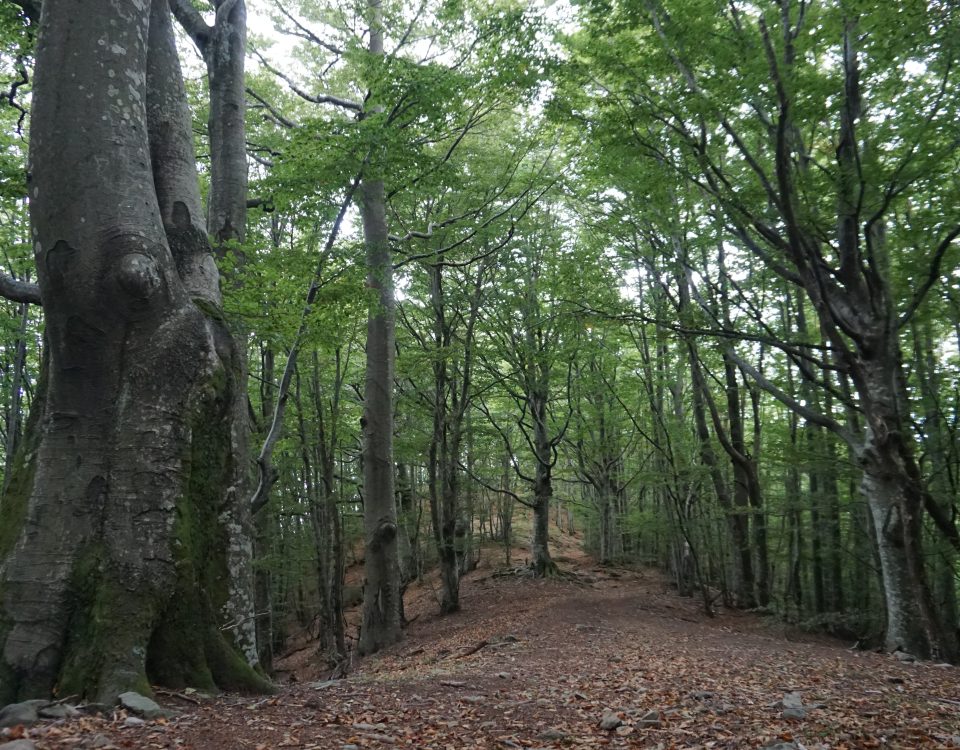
(541,664)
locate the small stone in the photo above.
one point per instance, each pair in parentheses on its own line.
(651,720)
(141,705)
(781,746)
(610,721)
(702,695)
(796,714)
(792,700)
(364,727)
(349,747)
(21,713)
(904,656)
(323,685)
(473,699)
(18,745)
(552,735)
(503,675)
(100,742)
(133,721)
(385,738)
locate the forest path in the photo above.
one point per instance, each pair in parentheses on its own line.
(562,654)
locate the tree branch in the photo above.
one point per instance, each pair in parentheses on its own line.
(265,469)
(932,277)
(192,22)
(19,291)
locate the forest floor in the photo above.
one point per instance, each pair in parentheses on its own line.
(598,658)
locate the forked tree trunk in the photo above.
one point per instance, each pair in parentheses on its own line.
(122,565)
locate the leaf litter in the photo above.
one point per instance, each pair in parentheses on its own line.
(596,659)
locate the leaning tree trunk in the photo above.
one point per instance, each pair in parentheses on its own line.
(121,569)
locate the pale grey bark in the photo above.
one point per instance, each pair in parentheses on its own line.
(223,47)
(129,400)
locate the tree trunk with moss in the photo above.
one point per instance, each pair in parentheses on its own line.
(117,555)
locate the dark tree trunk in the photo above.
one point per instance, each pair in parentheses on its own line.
(129,567)
(14,415)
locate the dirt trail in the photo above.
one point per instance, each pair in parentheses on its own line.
(538,664)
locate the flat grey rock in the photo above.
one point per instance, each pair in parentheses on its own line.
(18,745)
(552,735)
(792,700)
(100,742)
(650,720)
(141,705)
(21,713)
(610,721)
(58,711)
(133,721)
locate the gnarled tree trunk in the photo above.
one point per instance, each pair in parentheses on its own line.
(121,567)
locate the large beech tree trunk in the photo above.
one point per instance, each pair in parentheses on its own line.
(120,567)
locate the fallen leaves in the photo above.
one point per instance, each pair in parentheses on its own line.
(667,678)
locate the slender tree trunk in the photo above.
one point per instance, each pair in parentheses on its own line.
(14,416)
(381,624)
(541,562)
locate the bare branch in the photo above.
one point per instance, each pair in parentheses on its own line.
(19,291)
(192,22)
(268,474)
(814,417)
(932,277)
(305,33)
(274,112)
(314,98)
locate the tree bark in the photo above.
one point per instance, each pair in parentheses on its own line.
(122,566)
(381,624)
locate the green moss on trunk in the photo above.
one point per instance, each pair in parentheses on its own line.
(8,679)
(105,653)
(189,648)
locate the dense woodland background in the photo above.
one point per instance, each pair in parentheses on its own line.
(681,275)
